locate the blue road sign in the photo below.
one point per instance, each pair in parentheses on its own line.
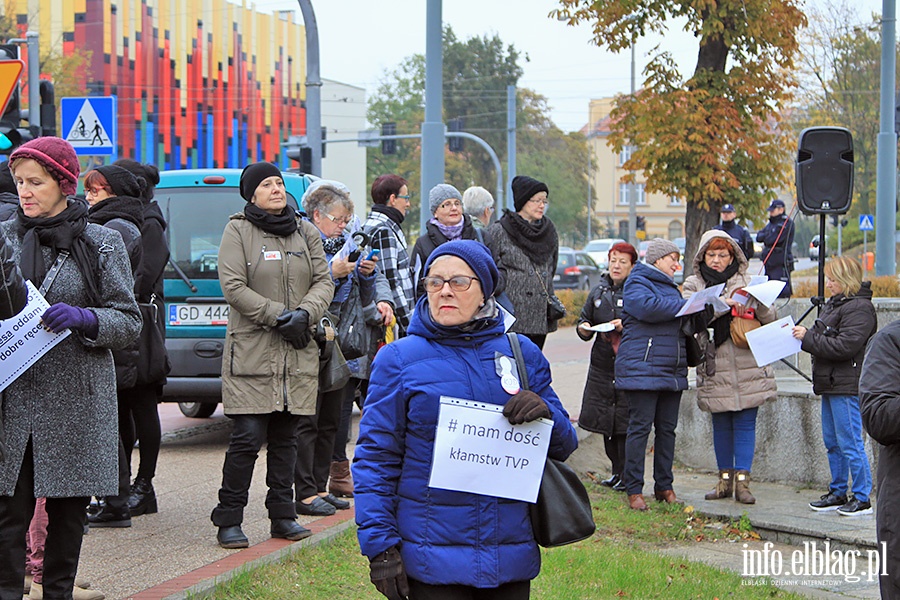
(866,222)
(89,124)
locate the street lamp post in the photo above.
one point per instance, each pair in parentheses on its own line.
(590,203)
(632,188)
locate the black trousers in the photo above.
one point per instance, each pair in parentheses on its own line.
(250,433)
(658,409)
(515,590)
(537,338)
(119,502)
(139,421)
(315,444)
(615,451)
(342,437)
(67,518)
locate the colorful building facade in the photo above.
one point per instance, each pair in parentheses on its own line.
(199,83)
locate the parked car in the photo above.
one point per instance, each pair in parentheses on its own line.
(197,204)
(575,269)
(599,250)
(814,247)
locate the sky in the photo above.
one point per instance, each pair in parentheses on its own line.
(361,39)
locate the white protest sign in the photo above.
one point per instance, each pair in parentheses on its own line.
(476,450)
(698,300)
(766,292)
(23,339)
(773,341)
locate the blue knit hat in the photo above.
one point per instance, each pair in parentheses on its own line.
(476,255)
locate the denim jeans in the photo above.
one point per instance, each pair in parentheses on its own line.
(658,409)
(842,434)
(734,438)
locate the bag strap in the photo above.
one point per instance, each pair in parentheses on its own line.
(54,271)
(520,359)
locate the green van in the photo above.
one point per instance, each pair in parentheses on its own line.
(197,204)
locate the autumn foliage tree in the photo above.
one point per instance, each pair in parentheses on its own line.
(717,136)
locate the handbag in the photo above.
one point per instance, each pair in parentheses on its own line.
(556,310)
(333,370)
(562,514)
(153,360)
(740,325)
(353,333)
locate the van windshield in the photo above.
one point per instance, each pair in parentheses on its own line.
(196,218)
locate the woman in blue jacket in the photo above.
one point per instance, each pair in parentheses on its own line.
(429,537)
(651,367)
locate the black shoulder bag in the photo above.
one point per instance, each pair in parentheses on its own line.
(562,514)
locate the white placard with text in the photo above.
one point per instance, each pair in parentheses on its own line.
(23,339)
(476,450)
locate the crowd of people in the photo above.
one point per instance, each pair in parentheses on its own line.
(446,318)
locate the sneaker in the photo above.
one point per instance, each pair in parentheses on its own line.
(829,501)
(855,508)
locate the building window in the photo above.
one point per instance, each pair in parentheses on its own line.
(674,201)
(624,155)
(675,230)
(639,195)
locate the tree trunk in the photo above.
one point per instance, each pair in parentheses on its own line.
(697,222)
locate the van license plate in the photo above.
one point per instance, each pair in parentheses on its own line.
(198,314)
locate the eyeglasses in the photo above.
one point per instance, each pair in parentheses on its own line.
(406,197)
(545,201)
(450,204)
(338,220)
(718,255)
(458,283)
(95,191)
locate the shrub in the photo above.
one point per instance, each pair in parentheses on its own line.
(574,301)
(884,286)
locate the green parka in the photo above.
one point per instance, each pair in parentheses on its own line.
(262,275)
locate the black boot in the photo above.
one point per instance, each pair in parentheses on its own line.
(142,500)
(110,517)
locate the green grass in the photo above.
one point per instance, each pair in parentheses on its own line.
(619,561)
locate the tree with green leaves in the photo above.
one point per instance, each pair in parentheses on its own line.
(716,136)
(476,74)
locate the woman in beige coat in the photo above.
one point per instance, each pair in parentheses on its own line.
(731,387)
(276,280)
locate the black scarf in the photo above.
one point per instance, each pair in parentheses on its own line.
(118,207)
(721,326)
(393,214)
(537,240)
(64,231)
(281,225)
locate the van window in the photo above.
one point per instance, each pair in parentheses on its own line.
(196,218)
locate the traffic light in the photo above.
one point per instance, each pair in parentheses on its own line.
(641,223)
(455,143)
(10,136)
(834,220)
(48,108)
(389,146)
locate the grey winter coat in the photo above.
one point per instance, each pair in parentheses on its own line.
(737,383)
(262,275)
(66,401)
(525,283)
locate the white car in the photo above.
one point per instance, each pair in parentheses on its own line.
(599,250)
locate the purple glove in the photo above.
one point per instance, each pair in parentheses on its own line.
(64,316)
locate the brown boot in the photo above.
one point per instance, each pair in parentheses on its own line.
(636,502)
(742,488)
(724,487)
(341,483)
(667,496)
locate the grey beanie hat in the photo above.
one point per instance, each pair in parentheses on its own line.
(440,193)
(658,248)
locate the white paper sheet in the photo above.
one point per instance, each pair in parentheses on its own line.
(23,339)
(699,299)
(766,292)
(599,327)
(476,450)
(773,341)
(758,279)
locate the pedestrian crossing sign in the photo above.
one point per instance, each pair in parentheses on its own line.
(866,223)
(89,124)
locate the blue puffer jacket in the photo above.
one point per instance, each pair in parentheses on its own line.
(445,537)
(651,355)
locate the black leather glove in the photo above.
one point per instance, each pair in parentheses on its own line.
(293,325)
(386,572)
(525,406)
